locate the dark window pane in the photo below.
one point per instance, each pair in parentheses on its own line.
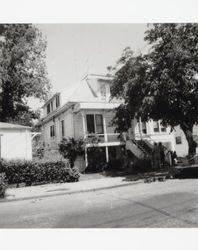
(90,124)
(163,129)
(156,126)
(143,127)
(178,140)
(52,131)
(57,101)
(99,124)
(62,128)
(48,108)
(52,108)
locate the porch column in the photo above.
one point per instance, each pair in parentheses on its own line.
(105,137)
(84,135)
(159,125)
(107,154)
(147,128)
(105,128)
(140,128)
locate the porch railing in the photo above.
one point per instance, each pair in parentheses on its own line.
(102,138)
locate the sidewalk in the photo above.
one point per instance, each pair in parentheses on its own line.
(41,191)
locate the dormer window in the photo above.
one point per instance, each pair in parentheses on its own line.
(52,106)
(103,92)
(57,101)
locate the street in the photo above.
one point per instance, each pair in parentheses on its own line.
(173,203)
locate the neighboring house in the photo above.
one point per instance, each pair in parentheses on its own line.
(15,142)
(87,108)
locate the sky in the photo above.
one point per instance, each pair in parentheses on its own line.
(74,50)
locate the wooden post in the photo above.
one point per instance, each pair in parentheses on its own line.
(84,135)
(140,128)
(105,129)
(105,138)
(107,154)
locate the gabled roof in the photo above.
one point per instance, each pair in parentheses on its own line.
(78,93)
(4,125)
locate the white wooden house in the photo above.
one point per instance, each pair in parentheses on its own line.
(86,108)
(15,142)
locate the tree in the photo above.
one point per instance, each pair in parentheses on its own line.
(163,84)
(22,71)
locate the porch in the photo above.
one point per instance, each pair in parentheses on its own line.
(94,125)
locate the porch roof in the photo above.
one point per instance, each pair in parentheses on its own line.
(95,105)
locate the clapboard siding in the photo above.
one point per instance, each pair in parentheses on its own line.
(78,126)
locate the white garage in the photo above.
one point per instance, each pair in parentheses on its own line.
(15,142)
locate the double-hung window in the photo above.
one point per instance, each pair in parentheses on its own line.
(62,128)
(95,124)
(48,108)
(57,101)
(103,92)
(52,131)
(156,126)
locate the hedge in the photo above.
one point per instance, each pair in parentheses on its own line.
(33,173)
(3,185)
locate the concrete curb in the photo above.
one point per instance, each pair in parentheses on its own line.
(71,192)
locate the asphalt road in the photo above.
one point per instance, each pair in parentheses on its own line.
(173,203)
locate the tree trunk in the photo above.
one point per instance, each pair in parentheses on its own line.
(188,131)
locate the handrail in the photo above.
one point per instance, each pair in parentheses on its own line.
(140,147)
(105,136)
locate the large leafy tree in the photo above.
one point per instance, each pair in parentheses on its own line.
(163,84)
(22,71)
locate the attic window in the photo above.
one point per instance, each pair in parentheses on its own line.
(57,101)
(103,92)
(52,106)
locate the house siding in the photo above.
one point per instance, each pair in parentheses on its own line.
(78,126)
(16,144)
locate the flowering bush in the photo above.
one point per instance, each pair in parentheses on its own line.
(32,173)
(3,185)
(71,148)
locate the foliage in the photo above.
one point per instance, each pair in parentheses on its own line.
(3,185)
(163,84)
(22,71)
(71,148)
(122,119)
(142,165)
(40,152)
(32,173)
(96,159)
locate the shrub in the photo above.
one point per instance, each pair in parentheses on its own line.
(32,173)
(71,148)
(3,185)
(142,165)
